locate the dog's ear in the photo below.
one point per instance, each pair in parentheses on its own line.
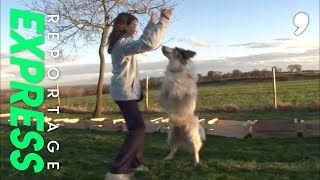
(187,54)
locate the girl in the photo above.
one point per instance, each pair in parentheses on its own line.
(125,87)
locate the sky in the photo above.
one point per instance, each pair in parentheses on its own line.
(226,34)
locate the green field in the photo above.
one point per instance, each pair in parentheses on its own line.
(87,155)
(239,101)
(293,96)
(246,97)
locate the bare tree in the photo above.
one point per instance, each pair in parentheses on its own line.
(214,75)
(87,21)
(236,73)
(294,68)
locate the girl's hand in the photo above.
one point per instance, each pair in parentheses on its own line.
(167,13)
(153,17)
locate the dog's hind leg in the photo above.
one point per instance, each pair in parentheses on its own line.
(175,140)
(195,140)
(198,144)
(196,148)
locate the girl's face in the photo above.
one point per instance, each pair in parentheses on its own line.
(132,28)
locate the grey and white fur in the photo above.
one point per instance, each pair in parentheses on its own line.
(177,98)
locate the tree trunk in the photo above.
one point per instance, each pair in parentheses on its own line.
(99,105)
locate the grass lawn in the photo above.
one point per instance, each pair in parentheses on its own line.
(303,94)
(88,155)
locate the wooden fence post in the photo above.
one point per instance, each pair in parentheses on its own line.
(58,99)
(147,94)
(274,88)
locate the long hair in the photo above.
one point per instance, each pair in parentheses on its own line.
(119,28)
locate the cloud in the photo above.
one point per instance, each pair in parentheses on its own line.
(313,51)
(255,45)
(277,56)
(281,44)
(5,55)
(195,42)
(85,74)
(7,76)
(283,39)
(308,59)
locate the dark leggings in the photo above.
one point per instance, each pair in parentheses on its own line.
(131,152)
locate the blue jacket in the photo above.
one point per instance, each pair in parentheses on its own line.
(125,84)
